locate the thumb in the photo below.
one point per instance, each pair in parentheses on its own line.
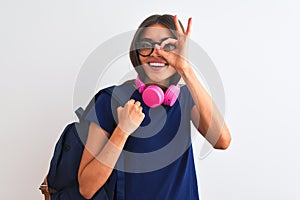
(119,109)
(164,54)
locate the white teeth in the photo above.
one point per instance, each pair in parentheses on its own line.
(157,64)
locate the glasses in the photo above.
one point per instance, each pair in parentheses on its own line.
(146,47)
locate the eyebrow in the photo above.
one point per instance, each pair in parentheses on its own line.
(150,40)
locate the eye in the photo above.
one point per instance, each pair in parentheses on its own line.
(144,45)
(169,47)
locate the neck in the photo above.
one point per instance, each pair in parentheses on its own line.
(162,84)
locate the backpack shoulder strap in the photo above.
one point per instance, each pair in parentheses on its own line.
(79,112)
(121,94)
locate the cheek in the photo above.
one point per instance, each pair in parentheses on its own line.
(142,60)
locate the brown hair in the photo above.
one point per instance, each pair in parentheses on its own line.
(168,22)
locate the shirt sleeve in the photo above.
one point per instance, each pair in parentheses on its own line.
(191,100)
(104,113)
(188,97)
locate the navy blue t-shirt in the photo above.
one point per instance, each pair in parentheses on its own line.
(158,157)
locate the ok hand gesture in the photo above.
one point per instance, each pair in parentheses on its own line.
(177,58)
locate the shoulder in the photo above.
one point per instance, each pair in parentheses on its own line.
(121,93)
(185,96)
(184,90)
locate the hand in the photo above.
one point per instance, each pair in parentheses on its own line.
(177,58)
(130,116)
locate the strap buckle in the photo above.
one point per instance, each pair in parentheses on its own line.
(46,190)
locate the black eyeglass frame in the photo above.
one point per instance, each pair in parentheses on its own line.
(152,45)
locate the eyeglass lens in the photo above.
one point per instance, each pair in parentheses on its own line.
(145,48)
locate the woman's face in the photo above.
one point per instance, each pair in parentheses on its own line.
(156,68)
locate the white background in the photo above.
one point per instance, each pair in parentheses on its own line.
(254,45)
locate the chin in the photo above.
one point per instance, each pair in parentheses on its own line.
(159,77)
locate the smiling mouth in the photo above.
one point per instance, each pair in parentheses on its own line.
(157,64)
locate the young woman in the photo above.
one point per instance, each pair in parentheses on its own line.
(165,168)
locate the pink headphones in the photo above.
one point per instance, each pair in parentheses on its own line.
(154,96)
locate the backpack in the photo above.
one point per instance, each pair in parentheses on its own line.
(62,182)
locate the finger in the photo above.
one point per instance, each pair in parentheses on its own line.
(188,30)
(168,56)
(177,25)
(168,41)
(131,101)
(142,115)
(140,109)
(137,103)
(119,109)
(137,107)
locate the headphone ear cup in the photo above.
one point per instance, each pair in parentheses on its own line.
(153,96)
(171,95)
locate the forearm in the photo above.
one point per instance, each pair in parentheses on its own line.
(211,123)
(97,172)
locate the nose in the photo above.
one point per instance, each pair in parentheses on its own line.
(155,52)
